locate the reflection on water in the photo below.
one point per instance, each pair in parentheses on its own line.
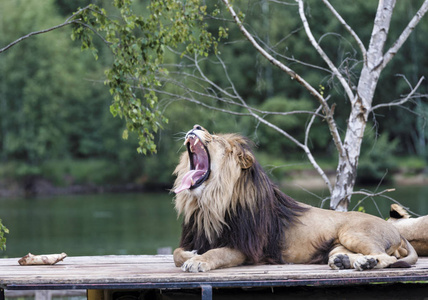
(128,223)
(90,224)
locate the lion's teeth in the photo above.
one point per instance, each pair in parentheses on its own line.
(191,181)
(197,140)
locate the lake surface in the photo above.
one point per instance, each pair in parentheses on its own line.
(106,224)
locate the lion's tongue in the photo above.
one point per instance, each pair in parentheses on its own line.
(189,179)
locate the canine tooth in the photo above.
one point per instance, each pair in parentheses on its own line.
(197,141)
(191,181)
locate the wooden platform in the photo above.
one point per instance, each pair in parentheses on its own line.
(139,272)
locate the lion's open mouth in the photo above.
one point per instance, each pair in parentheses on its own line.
(199,164)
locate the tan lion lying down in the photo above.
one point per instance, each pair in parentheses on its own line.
(233,215)
(415,230)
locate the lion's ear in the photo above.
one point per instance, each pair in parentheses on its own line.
(245,158)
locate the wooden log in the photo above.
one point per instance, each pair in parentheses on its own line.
(46,259)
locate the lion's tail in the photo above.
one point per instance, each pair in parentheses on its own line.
(407,261)
(398,212)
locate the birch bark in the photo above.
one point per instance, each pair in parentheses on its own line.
(360,107)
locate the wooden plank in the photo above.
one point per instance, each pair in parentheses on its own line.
(151,269)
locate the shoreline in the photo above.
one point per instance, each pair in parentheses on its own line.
(42,187)
(307,179)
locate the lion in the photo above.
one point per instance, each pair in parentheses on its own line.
(233,214)
(415,230)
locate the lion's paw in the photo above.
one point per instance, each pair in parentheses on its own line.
(339,262)
(180,256)
(365,263)
(196,264)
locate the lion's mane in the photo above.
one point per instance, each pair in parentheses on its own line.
(239,206)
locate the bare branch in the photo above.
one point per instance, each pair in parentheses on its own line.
(269,57)
(67,22)
(405,34)
(326,109)
(308,129)
(292,59)
(349,29)
(36,33)
(369,194)
(309,126)
(190,92)
(373,194)
(282,2)
(401,101)
(212,91)
(203,104)
(321,52)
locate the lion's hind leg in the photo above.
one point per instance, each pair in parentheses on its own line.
(341,258)
(370,257)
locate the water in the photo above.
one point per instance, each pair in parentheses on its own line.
(128,223)
(90,224)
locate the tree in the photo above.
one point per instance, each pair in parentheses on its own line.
(3,230)
(359,91)
(139,75)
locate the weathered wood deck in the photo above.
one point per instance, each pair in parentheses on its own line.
(158,272)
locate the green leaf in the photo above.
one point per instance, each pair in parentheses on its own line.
(125,134)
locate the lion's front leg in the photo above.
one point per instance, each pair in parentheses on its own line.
(181,256)
(213,259)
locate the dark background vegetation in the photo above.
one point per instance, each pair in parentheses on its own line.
(56,127)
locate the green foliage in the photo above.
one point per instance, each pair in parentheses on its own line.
(46,103)
(138,44)
(3,230)
(83,171)
(377,162)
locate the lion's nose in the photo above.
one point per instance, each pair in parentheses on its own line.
(197,127)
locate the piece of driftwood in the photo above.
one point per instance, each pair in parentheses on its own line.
(46,259)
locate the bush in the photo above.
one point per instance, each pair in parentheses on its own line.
(3,230)
(377,162)
(83,171)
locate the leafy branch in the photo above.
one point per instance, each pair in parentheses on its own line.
(3,230)
(138,44)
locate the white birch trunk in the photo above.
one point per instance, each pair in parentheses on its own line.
(361,106)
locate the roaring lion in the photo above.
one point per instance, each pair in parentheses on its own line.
(233,214)
(415,230)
